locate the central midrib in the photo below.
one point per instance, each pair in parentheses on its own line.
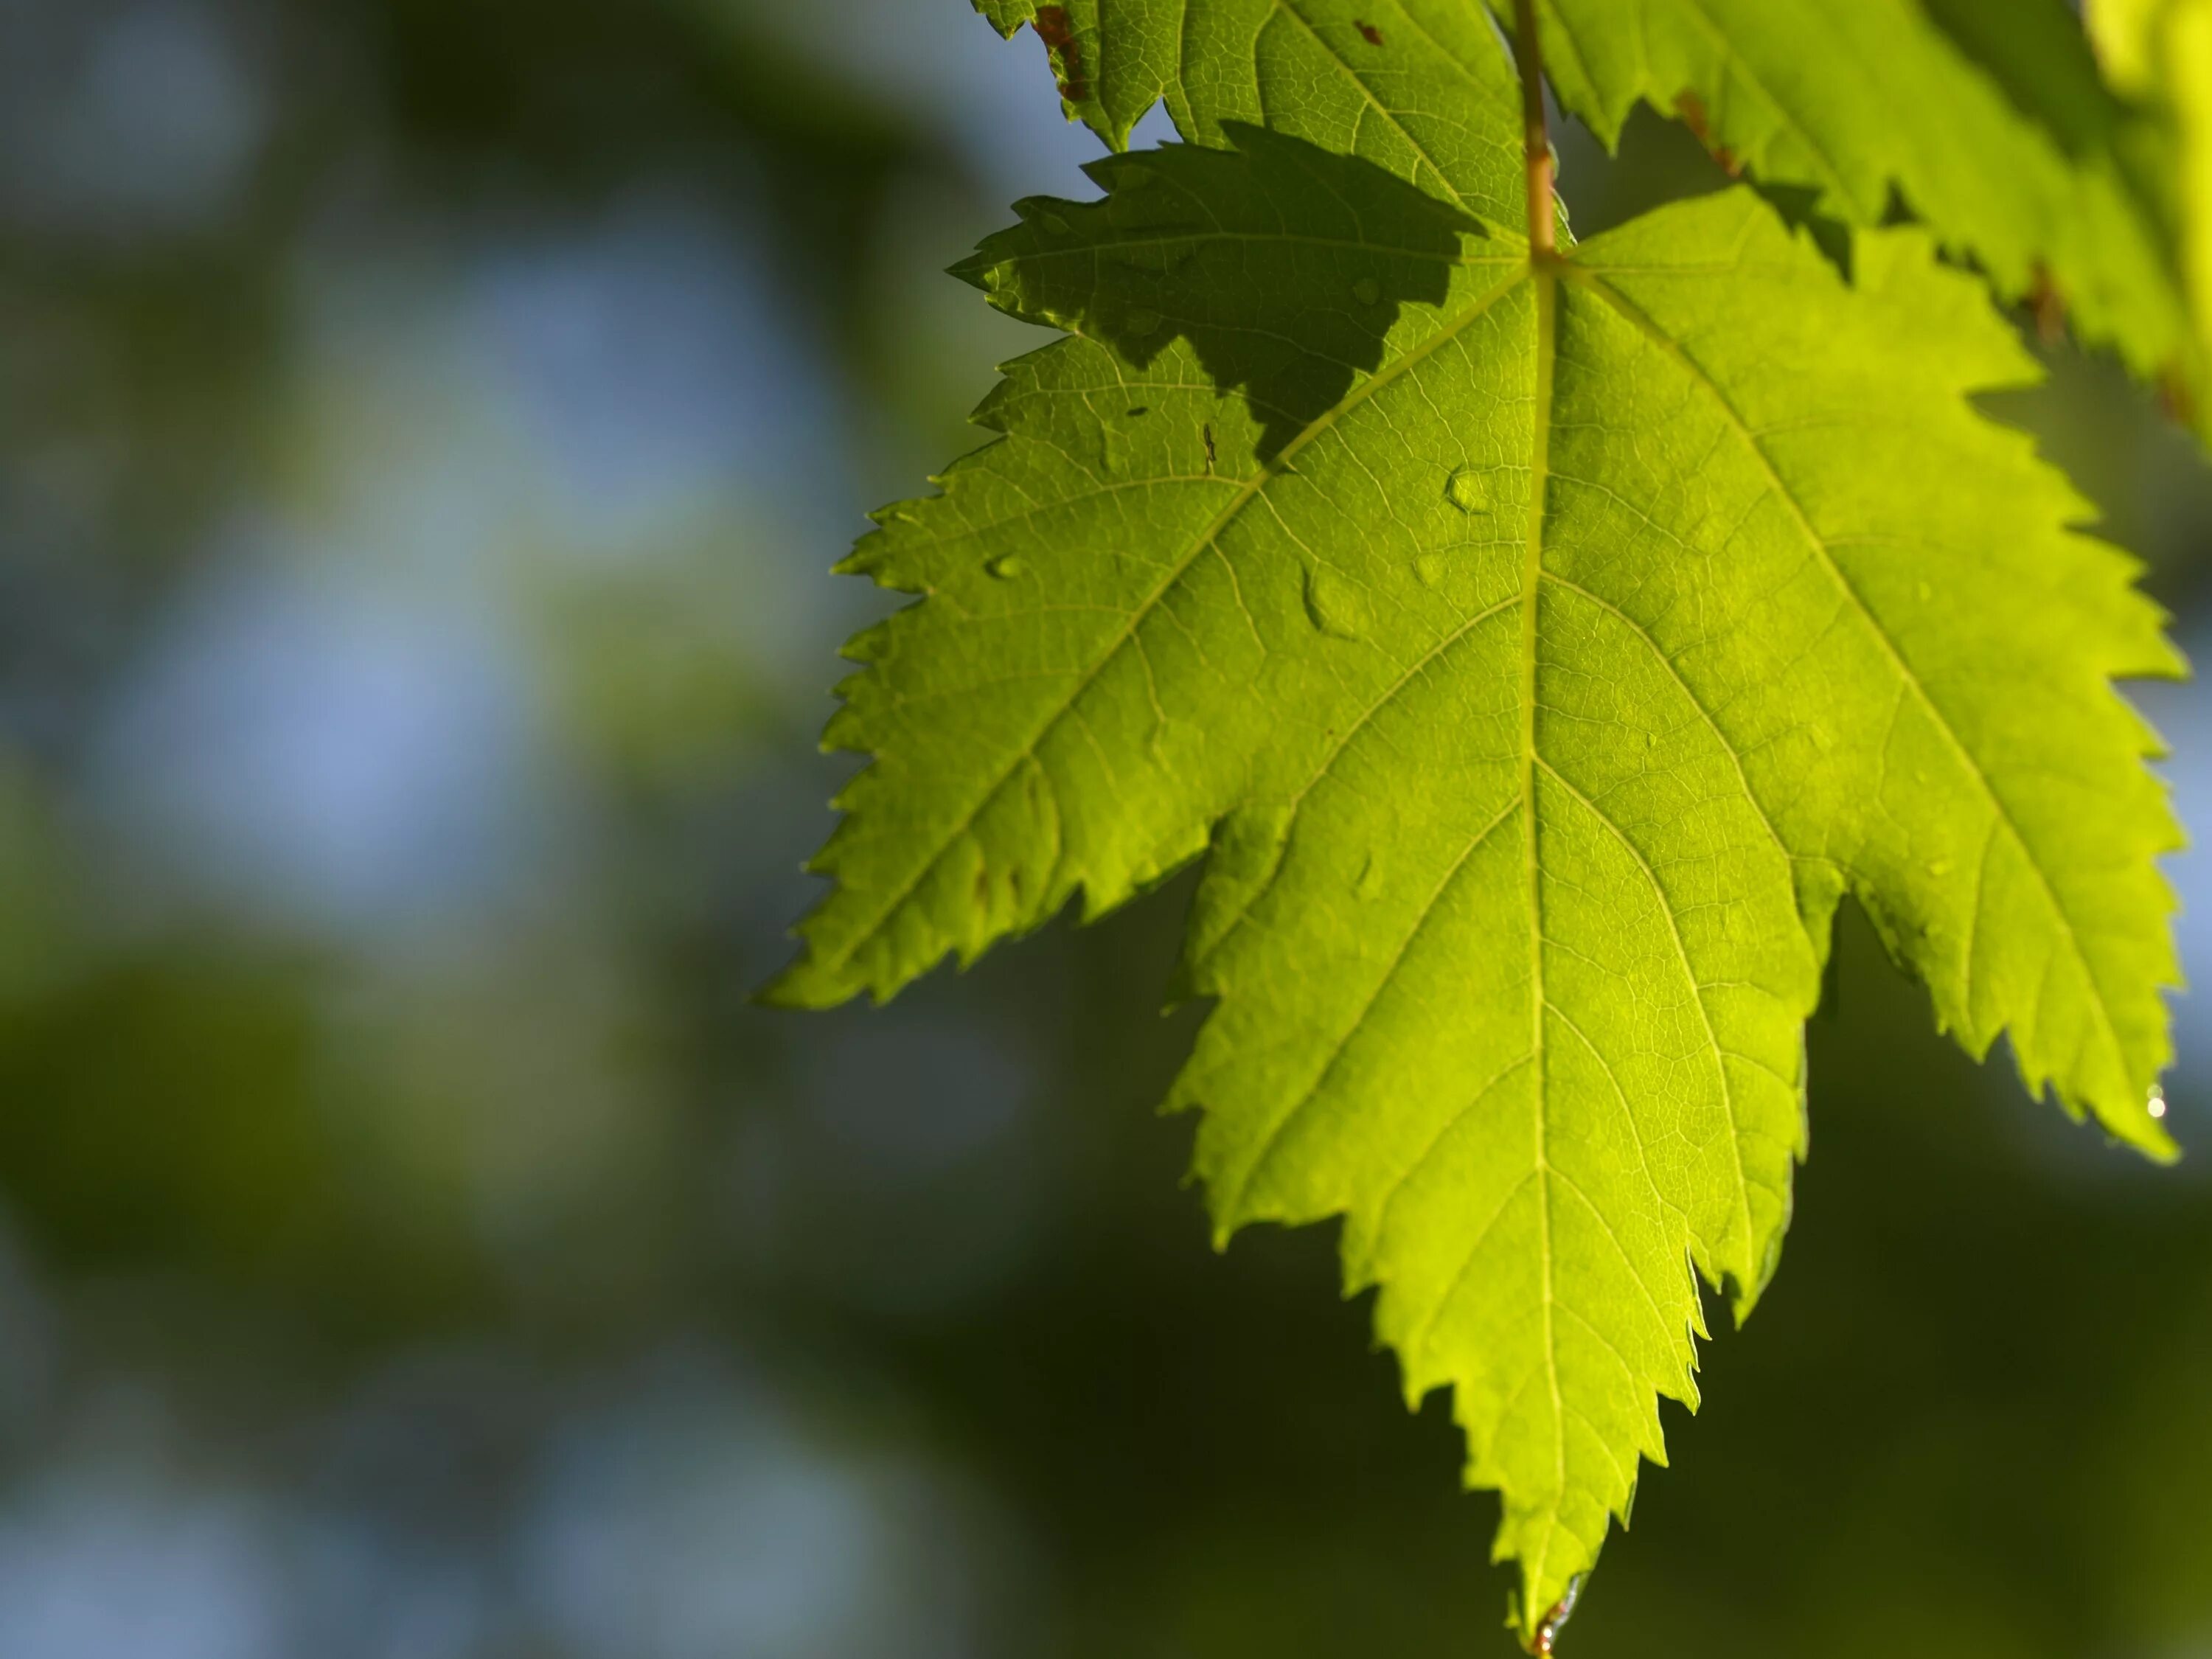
(1546,282)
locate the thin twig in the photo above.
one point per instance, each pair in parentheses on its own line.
(1528,57)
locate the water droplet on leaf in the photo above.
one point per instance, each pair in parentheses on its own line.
(1149,254)
(1005,566)
(1367,291)
(1332,604)
(2157,1101)
(1467,490)
(1370,878)
(1547,1633)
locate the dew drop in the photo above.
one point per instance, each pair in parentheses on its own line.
(1939,866)
(1467,490)
(1547,1633)
(1370,878)
(1332,603)
(1367,291)
(2157,1101)
(1142,322)
(1005,566)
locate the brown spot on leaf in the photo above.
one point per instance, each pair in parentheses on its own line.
(1368,31)
(1691,109)
(2175,396)
(2047,305)
(1053,27)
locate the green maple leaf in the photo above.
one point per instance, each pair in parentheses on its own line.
(1539,648)
(1986,118)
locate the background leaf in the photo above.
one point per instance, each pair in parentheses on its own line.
(2160,51)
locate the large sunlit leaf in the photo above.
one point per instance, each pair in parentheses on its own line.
(1542,649)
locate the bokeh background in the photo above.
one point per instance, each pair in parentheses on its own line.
(425,429)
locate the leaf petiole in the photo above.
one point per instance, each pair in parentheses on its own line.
(1528,59)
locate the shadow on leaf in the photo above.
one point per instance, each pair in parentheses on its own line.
(1282,264)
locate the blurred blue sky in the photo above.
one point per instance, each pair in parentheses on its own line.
(348,724)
